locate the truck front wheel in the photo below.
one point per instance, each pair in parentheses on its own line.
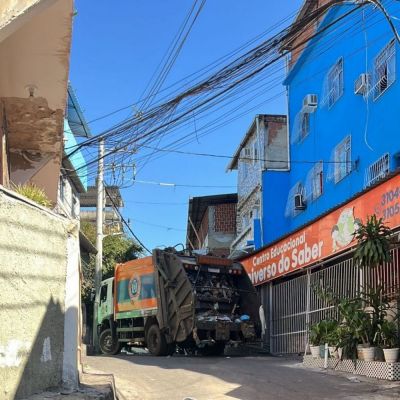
(156,342)
(107,344)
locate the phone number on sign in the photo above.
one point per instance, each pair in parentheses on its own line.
(387,200)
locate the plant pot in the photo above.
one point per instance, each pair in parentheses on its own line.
(391,355)
(316,351)
(368,354)
(360,349)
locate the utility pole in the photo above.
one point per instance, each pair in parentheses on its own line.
(99,239)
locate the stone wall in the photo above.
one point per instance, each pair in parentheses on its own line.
(33,268)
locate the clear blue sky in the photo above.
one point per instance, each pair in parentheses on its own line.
(116,48)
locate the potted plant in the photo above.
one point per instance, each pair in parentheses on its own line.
(331,335)
(316,334)
(388,333)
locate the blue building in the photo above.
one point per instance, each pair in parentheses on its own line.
(344,158)
(343,106)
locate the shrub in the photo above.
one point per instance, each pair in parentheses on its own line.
(35,193)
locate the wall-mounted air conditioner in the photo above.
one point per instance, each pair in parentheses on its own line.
(299,203)
(361,84)
(310,103)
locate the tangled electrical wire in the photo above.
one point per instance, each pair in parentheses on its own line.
(125,139)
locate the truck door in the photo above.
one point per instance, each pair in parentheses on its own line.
(106,303)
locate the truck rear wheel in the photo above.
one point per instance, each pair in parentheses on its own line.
(156,342)
(107,344)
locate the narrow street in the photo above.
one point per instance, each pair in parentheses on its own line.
(246,378)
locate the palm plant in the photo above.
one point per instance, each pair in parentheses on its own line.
(373,243)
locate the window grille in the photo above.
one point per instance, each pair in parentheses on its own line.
(334,84)
(384,69)
(377,170)
(342,159)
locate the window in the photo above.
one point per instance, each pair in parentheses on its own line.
(254,213)
(335,83)
(62,188)
(255,152)
(305,125)
(342,159)
(377,170)
(384,69)
(245,221)
(317,180)
(246,153)
(103,293)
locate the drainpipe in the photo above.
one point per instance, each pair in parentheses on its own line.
(261,149)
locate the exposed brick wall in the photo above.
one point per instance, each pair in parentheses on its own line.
(225,218)
(307,33)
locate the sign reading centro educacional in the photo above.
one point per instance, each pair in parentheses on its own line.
(329,235)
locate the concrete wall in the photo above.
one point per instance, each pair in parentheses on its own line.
(33,268)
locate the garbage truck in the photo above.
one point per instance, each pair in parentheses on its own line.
(170,299)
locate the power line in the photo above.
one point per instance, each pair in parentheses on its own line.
(124,221)
(169,228)
(190,153)
(155,203)
(137,139)
(167,184)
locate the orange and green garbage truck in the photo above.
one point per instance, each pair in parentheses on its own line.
(175,299)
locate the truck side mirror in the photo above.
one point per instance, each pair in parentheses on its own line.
(92,294)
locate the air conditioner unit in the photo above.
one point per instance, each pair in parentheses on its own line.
(361,84)
(310,103)
(299,203)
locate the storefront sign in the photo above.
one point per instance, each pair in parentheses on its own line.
(329,235)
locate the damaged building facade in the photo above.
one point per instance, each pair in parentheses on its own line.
(35,41)
(211,223)
(39,250)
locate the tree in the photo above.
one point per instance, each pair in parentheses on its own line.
(116,249)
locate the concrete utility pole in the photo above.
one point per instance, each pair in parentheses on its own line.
(99,239)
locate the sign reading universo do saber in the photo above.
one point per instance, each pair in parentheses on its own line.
(327,236)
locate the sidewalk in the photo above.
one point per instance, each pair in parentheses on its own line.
(93,386)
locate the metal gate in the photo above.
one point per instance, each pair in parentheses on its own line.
(293,305)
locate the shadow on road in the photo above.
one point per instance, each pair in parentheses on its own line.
(254,378)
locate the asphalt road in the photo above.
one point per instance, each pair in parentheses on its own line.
(144,377)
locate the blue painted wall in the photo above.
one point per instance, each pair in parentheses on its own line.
(77,159)
(373,124)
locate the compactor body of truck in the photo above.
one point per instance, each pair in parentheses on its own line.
(170,299)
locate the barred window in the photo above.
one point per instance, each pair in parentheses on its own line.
(384,69)
(335,83)
(342,159)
